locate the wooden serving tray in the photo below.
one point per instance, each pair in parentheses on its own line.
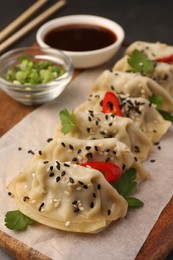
(159,242)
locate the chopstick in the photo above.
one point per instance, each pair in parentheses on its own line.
(12,26)
(32,24)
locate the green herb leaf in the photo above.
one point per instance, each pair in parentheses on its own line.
(16,220)
(126,185)
(139,62)
(166,115)
(67,121)
(134,202)
(157,100)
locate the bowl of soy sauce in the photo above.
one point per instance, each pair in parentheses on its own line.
(89,40)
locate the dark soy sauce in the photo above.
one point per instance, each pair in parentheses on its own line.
(80,37)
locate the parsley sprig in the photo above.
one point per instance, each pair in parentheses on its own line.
(126,186)
(158,101)
(139,62)
(67,121)
(16,220)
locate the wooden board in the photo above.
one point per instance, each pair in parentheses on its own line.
(159,242)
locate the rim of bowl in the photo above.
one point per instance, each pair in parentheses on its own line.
(37,87)
(81,19)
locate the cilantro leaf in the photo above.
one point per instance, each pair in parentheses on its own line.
(126,185)
(157,100)
(67,121)
(16,220)
(166,115)
(134,202)
(139,62)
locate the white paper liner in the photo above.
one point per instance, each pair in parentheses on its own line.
(123,238)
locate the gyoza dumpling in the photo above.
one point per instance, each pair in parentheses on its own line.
(80,151)
(163,71)
(58,197)
(96,125)
(140,110)
(132,84)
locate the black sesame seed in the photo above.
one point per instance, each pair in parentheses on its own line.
(74,159)
(85,186)
(71,147)
(135,159)
(89,155)
(106,117)
(79,151)
(42,204)
(25,198)
(66,165)
(108,212)
(51,168)
(92,205)
(40,152)
(71,180)
(45,162)
(49,140)
(74,202)
(107,159)
(89,118)
(110,124)
(159,147)
(30,151)
(124,166)
(63,173)
(80,182)
(76,210)
(94,195)
(98,186)
(9,193)
(152,160)
(96,148)
(63,144)
(88,129)
(88,147)
(51,174)
(58,166)
(19,148)
(58,178)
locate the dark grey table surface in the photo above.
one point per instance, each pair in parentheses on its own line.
(142,20)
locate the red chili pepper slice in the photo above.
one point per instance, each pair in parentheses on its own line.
(167,59)
(111,104)
(110,170)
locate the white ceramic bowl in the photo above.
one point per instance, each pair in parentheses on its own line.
(85,59)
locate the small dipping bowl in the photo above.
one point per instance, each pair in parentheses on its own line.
(39,93)
(88,58)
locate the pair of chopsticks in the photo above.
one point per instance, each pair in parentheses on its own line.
(16,36)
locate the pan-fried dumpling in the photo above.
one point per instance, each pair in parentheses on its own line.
(80,151)
(163,72)
(140,110)
(73,198)
(96,125)
(132,84)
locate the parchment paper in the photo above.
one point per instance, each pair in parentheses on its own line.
(123,238)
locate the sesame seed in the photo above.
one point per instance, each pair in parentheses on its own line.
(88,147)
(71,147)
(85,186)
(51,168)
(25,198)
(79,151)
(80,182)
(49,140)
(40,208)
(76,210)
(40,152)
(67,223)
(58,178)
(96,148)
(51,174)
(31,152)
(66,165)
(63,144)
(92,205)
(94,195)
(108,212)
(9,193)
(74,159)
(63,173)
(78,188)
(152,160)
(98,186)
(45,162)
(71,179)
(19,148)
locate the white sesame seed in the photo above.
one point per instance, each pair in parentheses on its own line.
(67,223)
(67,193)
(33,201)
(81,208)
(78,188)
(33,175)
